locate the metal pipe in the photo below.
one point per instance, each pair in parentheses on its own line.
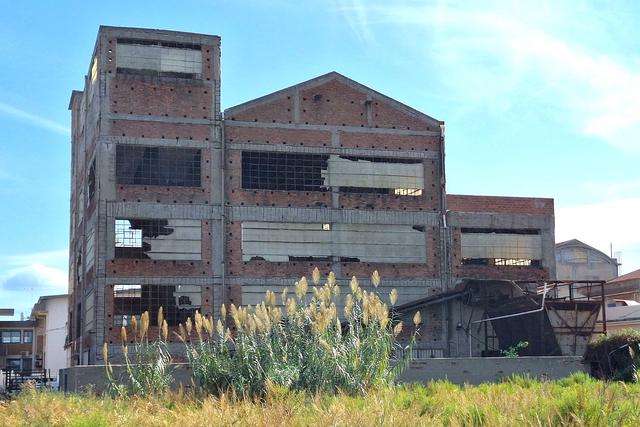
(544,296)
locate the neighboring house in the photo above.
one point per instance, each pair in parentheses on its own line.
(576,260)
(50,314)
(622,314)
(18,349)
(625,287)
(36,345)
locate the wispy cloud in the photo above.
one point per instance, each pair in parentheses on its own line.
(494,53)
(356,14)
(32,119)
(26,277)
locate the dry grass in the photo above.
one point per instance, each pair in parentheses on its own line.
(577,400)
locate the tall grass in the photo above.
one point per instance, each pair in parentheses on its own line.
(577,400)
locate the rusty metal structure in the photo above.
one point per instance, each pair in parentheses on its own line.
(555,318)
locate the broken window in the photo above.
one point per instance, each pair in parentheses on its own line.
(159,58)
(282,171)
(160,239)
(177,302)
(378,175)
(168,166)
(310,172)
(281,242)
(91,182)
(501,247)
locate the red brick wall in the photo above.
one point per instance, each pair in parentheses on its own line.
(338,104)
(187,99)
(137,129)
(276,136)
(389,141)
(526,205)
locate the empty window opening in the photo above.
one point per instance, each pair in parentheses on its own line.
(283,171)
(157,58)
(166,166)
(177,302)
(91,183)
(160,239)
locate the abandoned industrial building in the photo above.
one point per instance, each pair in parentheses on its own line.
(175,203)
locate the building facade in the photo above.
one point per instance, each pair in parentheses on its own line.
(174,204)
(576,260)
(51,314)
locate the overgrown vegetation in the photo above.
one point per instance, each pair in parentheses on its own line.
(616,356)
(306,346)
(576,400)
(514,350)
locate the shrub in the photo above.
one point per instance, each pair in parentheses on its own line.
(615,356)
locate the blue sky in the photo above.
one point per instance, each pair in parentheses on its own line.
(539,99)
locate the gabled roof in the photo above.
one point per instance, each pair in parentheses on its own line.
(576,242)
(634,275)
(317,81)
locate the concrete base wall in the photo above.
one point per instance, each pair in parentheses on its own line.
(457,370)
(477,370)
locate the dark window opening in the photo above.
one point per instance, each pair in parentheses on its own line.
(418,228)
(382,159)
(78,320)
(130,232)
(366,190)
(166,166)
(156,73)
(310,258)
(530,231)
(283,171)
(91,182)
(144,42)
(177,302)
(349,259)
